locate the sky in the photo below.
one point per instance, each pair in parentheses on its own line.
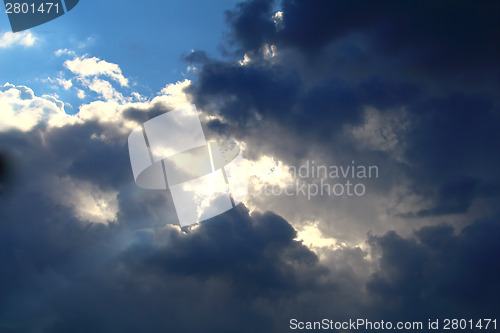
(409,89)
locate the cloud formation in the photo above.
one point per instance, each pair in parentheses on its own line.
(84,249)
(10,39)
(91,67)
(336,82)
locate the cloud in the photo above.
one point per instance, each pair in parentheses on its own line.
(20,109)
(90,236)
(11,39)
(438,271)
(197,57)
(59,81)
(80,94)
(252,24)
(66,84)
(380,131)
(91,67)
(312,237)
(235,272)
(87,200)
(60,52)
(366,86)
(74,198)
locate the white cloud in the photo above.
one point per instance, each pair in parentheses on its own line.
(20,109)
(10,39)
(278,20)
(138,97)
(88,41)
(173,93)
(111,110)
(65,51)
(91,67)
(265,172)
(66,84)
(105,89)
(269,51)
(245,61)
(81,94)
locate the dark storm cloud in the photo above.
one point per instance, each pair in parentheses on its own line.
(235,272)
(246,96)
(89,159)
(3,167)
(441,36)
(59,274)
(453,198)
(459,34)
(252,24)
(252,250)
(6,170)
(436,61)
(271,92)
(453,146)
(439,272)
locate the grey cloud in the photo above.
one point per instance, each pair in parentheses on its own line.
(197,57)
(439,271)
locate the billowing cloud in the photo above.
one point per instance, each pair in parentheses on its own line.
(335,83)
(21,109)
(92,67)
